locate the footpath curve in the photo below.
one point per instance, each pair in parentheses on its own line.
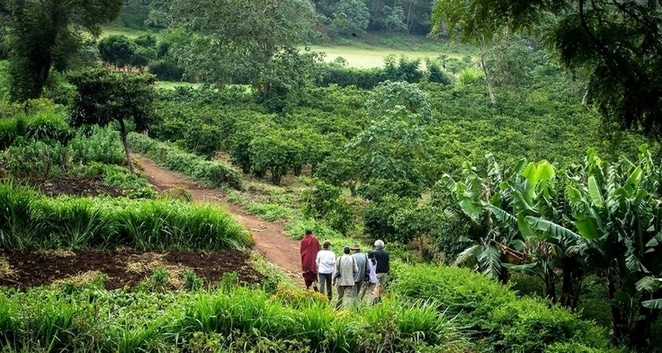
(270,239)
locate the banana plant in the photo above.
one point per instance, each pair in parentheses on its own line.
(530,192)
(617,211)
(493,244)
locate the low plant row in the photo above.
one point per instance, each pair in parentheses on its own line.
(226,319)
(209,173)
(30,220)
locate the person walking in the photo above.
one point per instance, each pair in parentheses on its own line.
(362,264)
(344,278)
(383,269)
(371,280)
(326,262)
(308,250)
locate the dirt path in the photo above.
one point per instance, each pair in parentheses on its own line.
(269,237)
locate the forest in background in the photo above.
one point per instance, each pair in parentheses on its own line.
(507,160)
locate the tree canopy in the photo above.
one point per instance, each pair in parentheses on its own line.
(47,33)
(615,44)
(104,96)
(239,41)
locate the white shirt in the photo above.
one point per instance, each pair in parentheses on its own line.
(326,261)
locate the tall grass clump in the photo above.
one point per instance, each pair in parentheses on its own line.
(167,224)
(16,214)
(89,319)
(72,223)
(208,173)
(28,219)
(47,123)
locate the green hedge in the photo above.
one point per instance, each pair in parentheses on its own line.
(494,315)
(209,173)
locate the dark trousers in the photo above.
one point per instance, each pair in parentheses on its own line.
(325,283)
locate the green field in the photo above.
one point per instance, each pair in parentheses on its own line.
(367,57)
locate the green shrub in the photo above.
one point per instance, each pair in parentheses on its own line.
(493,313)
(99,145)
(36,159)
(530,325)
(389,219)
(215,174)
(166,70)
(326,202)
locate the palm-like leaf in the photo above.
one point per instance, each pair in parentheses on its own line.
(652,304)
(490,261)
(467,254)
(555,230)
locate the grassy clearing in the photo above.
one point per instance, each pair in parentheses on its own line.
(129,32)
(170,85)
(372,56)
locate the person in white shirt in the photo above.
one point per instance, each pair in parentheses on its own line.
(326,263)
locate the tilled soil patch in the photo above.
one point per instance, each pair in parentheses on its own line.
(123,268)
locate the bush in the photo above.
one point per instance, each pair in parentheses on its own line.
(326,202)
(493,313)
(530,325)
(44,125)
(166,70)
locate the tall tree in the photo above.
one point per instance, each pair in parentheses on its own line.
(617,44)
(390,147)
(255,41)
(459,17)
(46,34)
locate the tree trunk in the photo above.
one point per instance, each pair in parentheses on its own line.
(488,77)
(126,146)
(573,276)
(550,285)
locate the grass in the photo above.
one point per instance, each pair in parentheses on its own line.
(129,32)
(372,56)
(170,85)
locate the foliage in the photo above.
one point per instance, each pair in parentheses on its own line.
(210,173)
(34,221)
(45,34)
(107,96)
(615,209)
(492,312)
(395,139)
(608,42)
(604,222)
(121,52)
(223,35)
(326,202)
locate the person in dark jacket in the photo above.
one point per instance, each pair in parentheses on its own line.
(383,268)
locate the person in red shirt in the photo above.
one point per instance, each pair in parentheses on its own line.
(308,249)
